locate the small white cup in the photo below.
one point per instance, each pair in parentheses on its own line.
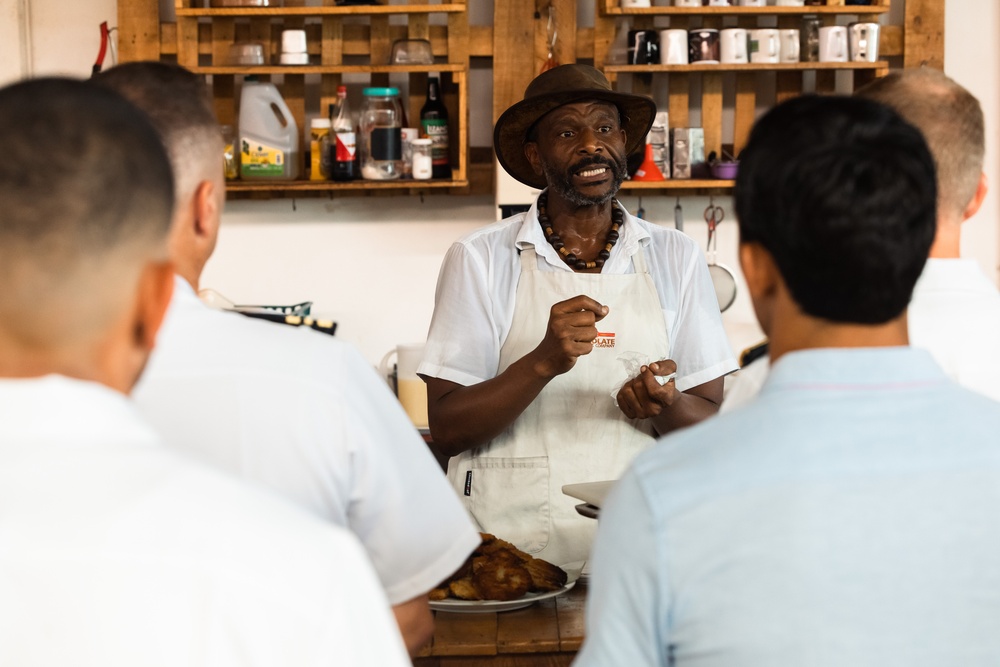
(765,45)
(753,3)
(635,3)
(833,44)
(674,46)
(733,46)
(789,3)
(720,3)
(790,50)
(687,3)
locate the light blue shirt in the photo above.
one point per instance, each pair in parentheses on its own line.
(849,516)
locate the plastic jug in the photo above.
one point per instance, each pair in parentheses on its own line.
(410,389)
(269,137)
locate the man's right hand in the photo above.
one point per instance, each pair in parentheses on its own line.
(570,333)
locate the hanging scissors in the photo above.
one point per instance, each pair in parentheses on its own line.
(713,216)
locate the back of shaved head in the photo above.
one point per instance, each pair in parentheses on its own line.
(86,198)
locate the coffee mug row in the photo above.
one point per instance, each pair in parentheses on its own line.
(857,42)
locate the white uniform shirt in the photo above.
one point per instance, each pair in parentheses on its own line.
(955,315)
(116,552)
(474,303)
(304,414)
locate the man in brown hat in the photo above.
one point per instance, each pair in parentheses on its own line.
(538,318)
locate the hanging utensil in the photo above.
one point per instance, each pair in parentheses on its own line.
(551,34)
(722,278)
(640,212)
(678,216)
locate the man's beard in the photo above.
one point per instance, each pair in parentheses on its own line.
(562,183)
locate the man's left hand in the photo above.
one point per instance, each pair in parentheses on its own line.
(643,396)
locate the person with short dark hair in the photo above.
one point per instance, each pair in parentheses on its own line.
(955,309)
(849,515)
(114,550)
(526,386)
(291,408)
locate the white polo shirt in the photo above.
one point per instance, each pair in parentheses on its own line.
(304,414)
(116,552)
(474,304)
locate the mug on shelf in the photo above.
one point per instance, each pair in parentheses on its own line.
(703,46)
(643,47)
(733,46)
(635,3)
(720,3)
(687,3)
(789,3)
(863,41)
(674,46)
(409,388)
(789,39)
(833,44)
(764,45)
(809,40)
(753,3)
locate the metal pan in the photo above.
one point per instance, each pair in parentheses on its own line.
(722,278)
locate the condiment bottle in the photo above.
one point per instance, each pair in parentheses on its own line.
(343,149)
(422,162)
(434,126)
(319,145)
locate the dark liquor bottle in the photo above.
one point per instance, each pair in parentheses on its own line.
(434,126)
(343,165)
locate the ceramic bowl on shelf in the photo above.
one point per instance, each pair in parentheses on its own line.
(246,53)
(411,52)
(725,170)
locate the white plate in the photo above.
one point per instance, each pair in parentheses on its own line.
(593,493)
(528,599)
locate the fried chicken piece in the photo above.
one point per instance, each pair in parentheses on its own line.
(492,544)
(500,576)
(544,575)
(439,593)
(464,589)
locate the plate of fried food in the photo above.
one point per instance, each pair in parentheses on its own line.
(500,577)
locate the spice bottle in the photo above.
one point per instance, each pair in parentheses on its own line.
(343,157)
(422,162)
(319,147)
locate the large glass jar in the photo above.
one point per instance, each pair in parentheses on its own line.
(380,141)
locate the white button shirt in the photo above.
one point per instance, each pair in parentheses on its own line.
(116,552)
(305,415)
(474,304)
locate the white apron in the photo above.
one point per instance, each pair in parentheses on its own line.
(572,432)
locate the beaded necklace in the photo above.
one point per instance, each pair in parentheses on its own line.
(553,238)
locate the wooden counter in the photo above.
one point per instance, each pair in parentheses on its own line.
(546,634)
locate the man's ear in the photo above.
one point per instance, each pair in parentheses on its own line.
(156,289)
(207,211)
(531,152)
(762,278)
(977,199)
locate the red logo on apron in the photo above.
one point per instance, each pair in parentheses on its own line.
(604,340)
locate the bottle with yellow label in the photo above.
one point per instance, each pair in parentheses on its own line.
(269,136)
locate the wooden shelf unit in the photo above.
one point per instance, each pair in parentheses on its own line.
(201,36)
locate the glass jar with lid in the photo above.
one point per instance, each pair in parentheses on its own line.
(380,141)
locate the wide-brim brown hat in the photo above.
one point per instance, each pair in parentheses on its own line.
(552,89)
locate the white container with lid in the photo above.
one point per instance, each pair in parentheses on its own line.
(380,141)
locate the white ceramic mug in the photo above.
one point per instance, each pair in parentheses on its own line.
(674,46)
(789,39)
(635,3)
(720,3)
(753,3)
(410,389)
(863,39)
(833,44)
(765,46)
(688,3)
(733,46)
(789,3)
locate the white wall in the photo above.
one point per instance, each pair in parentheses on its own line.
(371,263)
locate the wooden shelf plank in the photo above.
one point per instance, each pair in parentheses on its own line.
(333,186)
(744,67)
(351,10)
(680,184)
(327,69)
(744,11)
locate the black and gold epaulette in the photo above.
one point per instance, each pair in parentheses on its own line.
(323,326)
(753,353)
